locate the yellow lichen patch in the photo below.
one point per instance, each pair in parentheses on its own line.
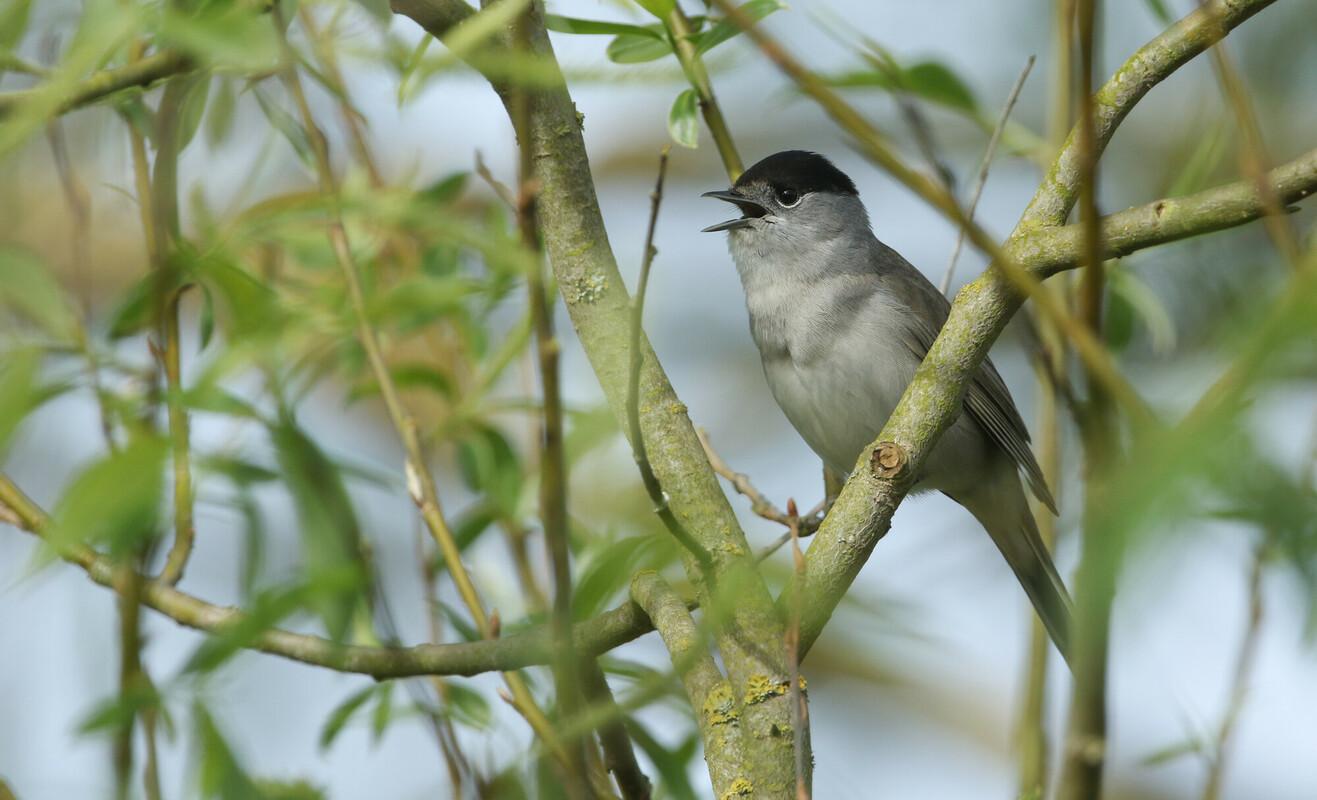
(739,788)
(718,706)
(761,687)
(804,684)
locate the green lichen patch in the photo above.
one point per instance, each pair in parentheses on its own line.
(586,288)
(761,687)
(719,708)
(739,788)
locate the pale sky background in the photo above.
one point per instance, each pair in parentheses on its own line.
(945,734)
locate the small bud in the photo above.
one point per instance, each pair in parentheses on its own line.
(791,507)
(495,624)
(413,483)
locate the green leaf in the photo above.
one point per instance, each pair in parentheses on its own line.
(235,36)
(194,107)
(659,8)
(21,389)
(929,80)
(1129,290)
(446,189)
(342,714)
(467,706)
(116,500)
(239,471)
(14,15)
(262,614)
(331,540)
(284,122)
(220,775)
(561,24)
(683,119)
(937,83)
(136,308)
(383,712)
(28,287)
(673,765)
(607,573)
(489,465)
(725,29)
(219,123)
(631,48)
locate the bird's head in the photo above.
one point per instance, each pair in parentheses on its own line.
(791,199)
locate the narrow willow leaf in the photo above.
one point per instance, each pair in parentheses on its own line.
(684,120)
(194,107)
(593,26)
(284,122)
(607,573)
(28,287)
(633,49)
(265,612)
(342,714)
(937,83)
(219,122)
(659,8)
(21,389)
(220,776)
(115,501)
(725,29)
(382,714)
(14,15)
(232,35)
(490,465)
(331,540)
(468,707)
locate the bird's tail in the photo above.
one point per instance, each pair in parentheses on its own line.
(1000,506)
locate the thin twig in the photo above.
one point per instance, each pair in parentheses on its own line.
(652,486)
(619,755)
(760,505)
(982,178)
(1243,676)
(500,189)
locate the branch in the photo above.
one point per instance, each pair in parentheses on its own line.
(679,30)
(532,648)
(1047,251)
(863,512)
(104,83)
(710,694)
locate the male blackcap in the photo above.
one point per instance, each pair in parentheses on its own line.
(842,321)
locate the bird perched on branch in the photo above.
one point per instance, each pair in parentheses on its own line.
(842,321)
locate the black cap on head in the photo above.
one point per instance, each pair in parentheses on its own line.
(801,170)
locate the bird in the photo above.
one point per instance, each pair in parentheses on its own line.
(842,321)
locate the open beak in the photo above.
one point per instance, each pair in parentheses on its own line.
(750,210)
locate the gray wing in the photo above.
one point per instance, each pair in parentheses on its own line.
(988,400)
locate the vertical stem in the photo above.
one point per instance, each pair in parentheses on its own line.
(165,229)
(619,756)
(1081,777)
(128,584)
(1244,663)
(799,704)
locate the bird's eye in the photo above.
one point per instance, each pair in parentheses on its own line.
(787,197)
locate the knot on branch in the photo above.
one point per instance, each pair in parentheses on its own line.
(888,459)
